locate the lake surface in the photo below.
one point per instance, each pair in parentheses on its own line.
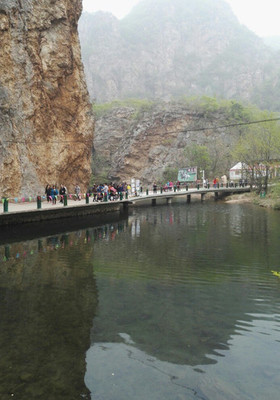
(170,302)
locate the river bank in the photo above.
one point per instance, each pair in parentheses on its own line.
(270,200)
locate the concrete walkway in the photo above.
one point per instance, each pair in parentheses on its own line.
(31,206)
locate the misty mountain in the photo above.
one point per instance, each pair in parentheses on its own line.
(172,48)
(272,41)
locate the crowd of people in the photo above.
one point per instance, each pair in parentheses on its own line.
(114,191)
(52,193)
(110,191)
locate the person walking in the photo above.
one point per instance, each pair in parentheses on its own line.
(77,192)
(62,192)
(48,193)
(154,187)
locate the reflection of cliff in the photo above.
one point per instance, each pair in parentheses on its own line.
(181,324)
(47,303)
(182,283)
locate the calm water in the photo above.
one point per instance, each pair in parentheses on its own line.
(171,302)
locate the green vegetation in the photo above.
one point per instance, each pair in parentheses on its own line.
(259,148)
(275,191)
(271,198)
(232,110)
(100,169)
(257,145)
(199,156)
(170,174)
(140,105)
(274,195)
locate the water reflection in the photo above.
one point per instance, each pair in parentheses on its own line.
(175,302)
(181,324)
(128,372)
(184,285)
(27,249)
(48,299)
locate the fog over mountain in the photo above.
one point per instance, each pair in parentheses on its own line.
(272,41)
(171,48)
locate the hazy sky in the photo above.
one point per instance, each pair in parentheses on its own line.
(261,16)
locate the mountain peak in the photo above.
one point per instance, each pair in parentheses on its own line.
(168,48)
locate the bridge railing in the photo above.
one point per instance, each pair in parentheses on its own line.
(38,200)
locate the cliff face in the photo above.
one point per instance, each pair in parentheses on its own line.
(169,48)
(143,143)
(46,125)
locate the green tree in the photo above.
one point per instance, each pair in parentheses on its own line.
(259,148)
(220,157)
(198,156)
(170,174)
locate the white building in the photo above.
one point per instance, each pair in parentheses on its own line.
(238,171)
(243,171)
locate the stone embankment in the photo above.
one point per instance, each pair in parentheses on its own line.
(25,213)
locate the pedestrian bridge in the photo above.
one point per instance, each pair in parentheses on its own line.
(219,192)
(18,213)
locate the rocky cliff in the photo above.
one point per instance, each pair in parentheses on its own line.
(168,48)
(46,123)
(145,141)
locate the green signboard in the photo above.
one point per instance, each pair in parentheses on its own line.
(187,174)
